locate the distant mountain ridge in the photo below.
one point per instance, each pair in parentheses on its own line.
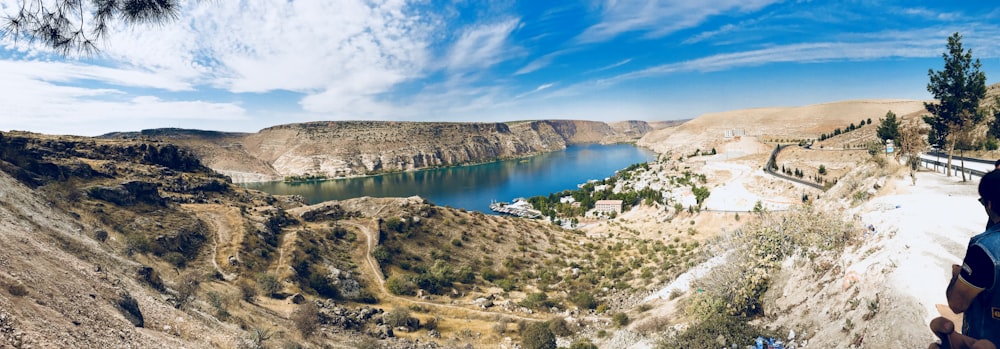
(330,149)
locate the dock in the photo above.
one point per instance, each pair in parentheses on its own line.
(519,208)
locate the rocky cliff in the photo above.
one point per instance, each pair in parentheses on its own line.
(354,148)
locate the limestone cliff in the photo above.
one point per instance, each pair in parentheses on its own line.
(354,148)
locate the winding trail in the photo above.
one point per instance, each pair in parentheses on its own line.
(371,241)
(223,230)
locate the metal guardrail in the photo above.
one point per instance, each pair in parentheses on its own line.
(957,168)
(960,158)
(769,168)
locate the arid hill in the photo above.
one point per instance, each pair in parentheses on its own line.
(353,148)
(806,122)
(134,243)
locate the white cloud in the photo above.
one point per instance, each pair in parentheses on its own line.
(798,53)
(540,62)
(482,46)
(35,97)
(661,17)
(611,66)
(543,86)
(341,54)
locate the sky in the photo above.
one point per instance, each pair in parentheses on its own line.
(243,65)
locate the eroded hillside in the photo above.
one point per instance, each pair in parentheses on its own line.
(354,148)
(137,241)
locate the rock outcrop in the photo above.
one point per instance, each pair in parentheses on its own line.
(356,148)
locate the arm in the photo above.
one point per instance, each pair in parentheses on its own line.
(960,293)
(967,281)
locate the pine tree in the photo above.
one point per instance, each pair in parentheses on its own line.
(958,89)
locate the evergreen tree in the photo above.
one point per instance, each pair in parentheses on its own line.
(77,25)
(888,127)
(958,89)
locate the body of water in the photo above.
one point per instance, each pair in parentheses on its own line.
(473,187)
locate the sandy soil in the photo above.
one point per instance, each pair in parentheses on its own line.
(932,221)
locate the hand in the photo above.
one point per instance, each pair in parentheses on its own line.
(945,330)
(955,270)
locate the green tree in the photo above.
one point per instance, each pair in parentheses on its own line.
(888,127)
(76,25)
(957,89)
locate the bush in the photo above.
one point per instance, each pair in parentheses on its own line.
(136,243)
(560,327)
(176,259)
(536,300)
(322,286)
(268,284)
(582,344)
(584,300)
(397,317)
(100,235)
(538,336)
(736,330)
(247,291)
(186,288)
(506,284)
(306,319)
(400,285)
(759,248)
(17,290)
(619,319)
(432,323)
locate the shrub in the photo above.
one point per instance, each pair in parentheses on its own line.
(176,259)
(501,326)
(538,336)
(247,291)
(306,319)
(560,327)
(506,284)
(186,288)
(268,284)
(397,317)
(584,300)
(136,243)
(537,300)
(219,303)
(129,308)
(17,290)
(736,330)
(100,235)
(620,319)
(432,323)
(322,286)
(582,344)
(401,286)
(151,278)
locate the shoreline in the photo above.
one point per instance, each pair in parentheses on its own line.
(324,179)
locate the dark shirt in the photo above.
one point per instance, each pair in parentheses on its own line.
(977,268)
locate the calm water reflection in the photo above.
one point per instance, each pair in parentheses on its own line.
(473,187)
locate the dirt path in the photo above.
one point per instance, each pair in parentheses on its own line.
(227,233)
(287,239)
(371,241)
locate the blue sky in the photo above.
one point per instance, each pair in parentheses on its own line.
(246,65)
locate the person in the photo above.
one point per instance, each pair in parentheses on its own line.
(996,165)
(974,290)
(950,339)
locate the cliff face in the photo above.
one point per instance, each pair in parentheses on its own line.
(353,148)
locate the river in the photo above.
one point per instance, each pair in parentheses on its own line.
(473,187)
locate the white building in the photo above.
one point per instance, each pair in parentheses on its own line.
(608,206)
